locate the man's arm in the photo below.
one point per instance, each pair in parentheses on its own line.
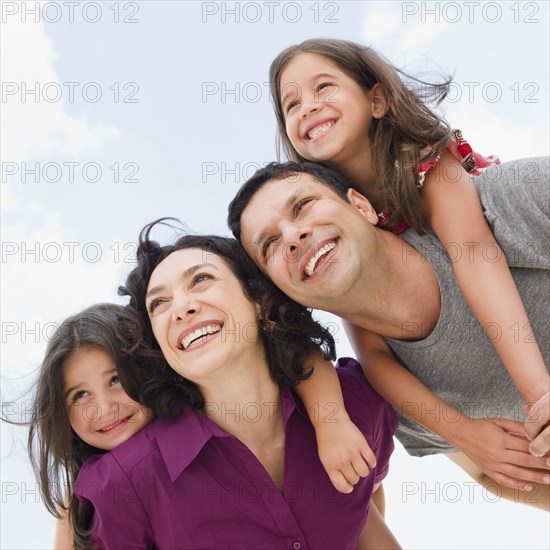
(488,443)
(486,284)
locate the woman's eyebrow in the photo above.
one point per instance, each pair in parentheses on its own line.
(185,275)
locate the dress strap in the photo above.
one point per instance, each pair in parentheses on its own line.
(472,162)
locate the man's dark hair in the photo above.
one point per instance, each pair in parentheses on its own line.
(278,171)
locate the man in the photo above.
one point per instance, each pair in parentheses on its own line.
(318,240)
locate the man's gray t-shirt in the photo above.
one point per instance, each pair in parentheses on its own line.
(458,361)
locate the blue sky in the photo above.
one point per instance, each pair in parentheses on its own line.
(183,118)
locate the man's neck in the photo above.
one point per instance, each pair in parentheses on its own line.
(399,296)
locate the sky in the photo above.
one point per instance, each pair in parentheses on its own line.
(114,114)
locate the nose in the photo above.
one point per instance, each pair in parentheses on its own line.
(107,407)
(185,307)
(294,236)
(309,105)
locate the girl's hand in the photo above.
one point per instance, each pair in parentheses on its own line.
(500,449)
(344,453)
(537,427)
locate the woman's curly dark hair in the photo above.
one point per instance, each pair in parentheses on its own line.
(290,335)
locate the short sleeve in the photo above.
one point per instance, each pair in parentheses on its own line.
(119,518)
(516,204)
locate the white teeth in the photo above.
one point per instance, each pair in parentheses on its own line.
(199,333)
(319,129)
(310,267)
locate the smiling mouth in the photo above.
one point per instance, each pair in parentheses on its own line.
(110,427)
(320,129)
(312,264)
(199,335)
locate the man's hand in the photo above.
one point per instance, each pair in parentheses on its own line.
(344,453)
(537,427)
(501,450)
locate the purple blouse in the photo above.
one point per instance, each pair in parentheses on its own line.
(188,484)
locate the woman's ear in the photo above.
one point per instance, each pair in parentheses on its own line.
(380,99)
(363,205)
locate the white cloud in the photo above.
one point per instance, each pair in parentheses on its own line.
(45,279)
(386,27)
(379,22)
(35,290)
(489,133)
(38,127)
(420,36)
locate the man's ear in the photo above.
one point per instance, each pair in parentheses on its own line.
(380,99)
(363,205)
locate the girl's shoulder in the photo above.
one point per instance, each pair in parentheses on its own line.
(462,151)
(473,162)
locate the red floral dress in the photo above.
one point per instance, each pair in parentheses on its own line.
(472,162)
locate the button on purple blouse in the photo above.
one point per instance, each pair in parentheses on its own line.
(188,484)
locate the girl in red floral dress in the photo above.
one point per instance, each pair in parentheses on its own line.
(341,104)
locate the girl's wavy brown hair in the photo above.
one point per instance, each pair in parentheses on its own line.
(409,134)
(55,450)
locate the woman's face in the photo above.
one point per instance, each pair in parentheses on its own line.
(200,315)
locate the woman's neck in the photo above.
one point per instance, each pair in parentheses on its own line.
(245,402)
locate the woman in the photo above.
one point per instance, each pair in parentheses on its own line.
(232,461)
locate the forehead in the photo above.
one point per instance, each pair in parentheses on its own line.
(275,199)
(85,360)
(276,193)
(181,260)
(309,64)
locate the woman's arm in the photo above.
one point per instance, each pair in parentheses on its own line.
(376,534)
(343,450)
(482,273)
(487,442)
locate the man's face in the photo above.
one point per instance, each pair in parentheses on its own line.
(309,241)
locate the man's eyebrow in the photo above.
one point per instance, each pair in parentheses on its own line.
(185,275)
(287,205)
